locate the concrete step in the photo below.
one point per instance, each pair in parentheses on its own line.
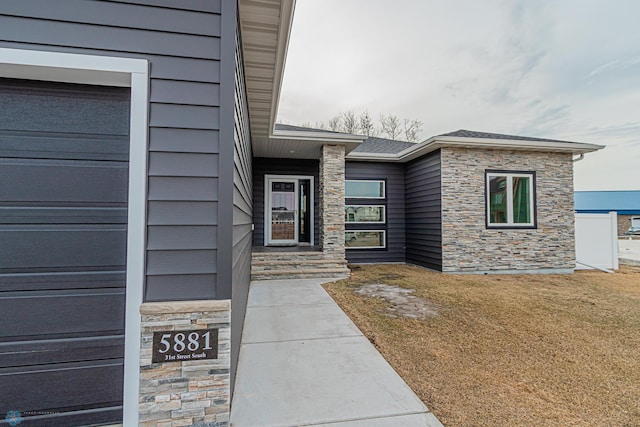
(300,273)
(285,256)
(297,264)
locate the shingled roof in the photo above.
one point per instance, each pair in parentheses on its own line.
(382,145)
(370,145)
(462,133)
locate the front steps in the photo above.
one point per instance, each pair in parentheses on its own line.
(295,265)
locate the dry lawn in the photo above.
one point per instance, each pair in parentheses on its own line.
(512,350)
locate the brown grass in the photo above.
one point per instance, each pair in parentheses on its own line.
(534,350)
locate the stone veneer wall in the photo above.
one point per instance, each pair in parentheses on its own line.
(332,166)
(468,246)
(185,393)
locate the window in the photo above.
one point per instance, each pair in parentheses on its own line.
(510,199)
(364,214)
(364,239)
(361,189)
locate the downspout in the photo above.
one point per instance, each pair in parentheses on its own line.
(577,159)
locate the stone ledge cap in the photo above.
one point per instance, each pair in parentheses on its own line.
(168,307)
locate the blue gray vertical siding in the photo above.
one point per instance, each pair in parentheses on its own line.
(423,204)
(269,166)
(182,41)
(393,174)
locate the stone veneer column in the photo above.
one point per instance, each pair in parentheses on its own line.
(185,393)
(332,201)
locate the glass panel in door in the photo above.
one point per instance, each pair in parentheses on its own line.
(283,212)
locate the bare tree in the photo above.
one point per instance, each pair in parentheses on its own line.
(335,123)
(390,126)
(412,130)
(367,127)
(349,122)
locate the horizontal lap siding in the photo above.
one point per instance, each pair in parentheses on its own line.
(243,209)
(181,39)
(395,211)
(268,166)
(424,211)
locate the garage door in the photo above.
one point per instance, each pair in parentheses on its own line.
(63,224)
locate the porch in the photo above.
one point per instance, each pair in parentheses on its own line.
(298,216)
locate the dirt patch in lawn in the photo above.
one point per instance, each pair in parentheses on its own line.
(535,350)
(399,301)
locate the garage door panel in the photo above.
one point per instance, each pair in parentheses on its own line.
(63,215)
(81,385)
(42,352)
(61,314)
(40,145)
(63,181)
(59,108)
(98,416)
(73,280)
(33,248)
(64,152)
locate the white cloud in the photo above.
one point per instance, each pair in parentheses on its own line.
(550,68)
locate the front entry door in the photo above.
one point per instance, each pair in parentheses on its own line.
(283,207)
(289,210)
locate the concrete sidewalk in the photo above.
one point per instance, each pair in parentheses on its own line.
(303,362)
(629,251)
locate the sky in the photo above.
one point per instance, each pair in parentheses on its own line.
(559,69)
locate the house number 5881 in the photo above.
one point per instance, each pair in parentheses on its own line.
(182,341)
(175,346)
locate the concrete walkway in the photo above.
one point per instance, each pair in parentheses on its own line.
(303,362)
(629,251)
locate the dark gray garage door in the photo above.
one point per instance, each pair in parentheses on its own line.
(63,225)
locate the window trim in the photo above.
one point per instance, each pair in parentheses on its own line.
(488,173)
(384,214)
(384,189)
(384,239)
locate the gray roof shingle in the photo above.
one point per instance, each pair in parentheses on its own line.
(462,133)
(389,146)
(382,145)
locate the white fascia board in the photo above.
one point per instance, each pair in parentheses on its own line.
(494,144)
(318,136)
(518,144)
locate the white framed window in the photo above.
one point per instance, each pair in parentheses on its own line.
(364,189)
(364,214)
(365,239)
(510,199)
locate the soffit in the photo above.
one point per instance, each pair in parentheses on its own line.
(265,27)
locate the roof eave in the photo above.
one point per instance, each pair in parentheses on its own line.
(318,136)
(286,20)
(437,142)
(265,28)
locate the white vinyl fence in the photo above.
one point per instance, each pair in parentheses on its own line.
(597,241)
